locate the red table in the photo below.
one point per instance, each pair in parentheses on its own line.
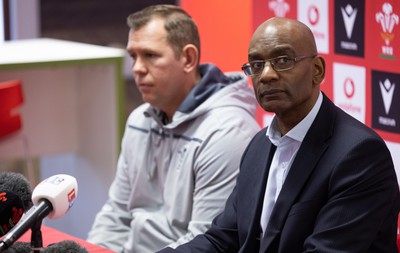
(51,235)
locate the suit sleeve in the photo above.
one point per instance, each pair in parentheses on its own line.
(362,204)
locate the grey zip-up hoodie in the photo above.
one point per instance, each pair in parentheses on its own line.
(173,179)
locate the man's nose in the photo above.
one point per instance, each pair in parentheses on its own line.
(268,72)
(138,66)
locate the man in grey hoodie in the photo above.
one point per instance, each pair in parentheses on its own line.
(181,149)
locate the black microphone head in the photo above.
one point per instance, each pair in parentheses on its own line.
(66,246)
(11,210)
(19,247)
(19,185)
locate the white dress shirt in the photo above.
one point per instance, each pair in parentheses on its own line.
(286,150)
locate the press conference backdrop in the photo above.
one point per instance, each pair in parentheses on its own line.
(360,41)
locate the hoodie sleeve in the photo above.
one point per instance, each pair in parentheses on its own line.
(111,226)
(216,169)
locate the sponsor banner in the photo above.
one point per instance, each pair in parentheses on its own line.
(315,14)
(383,22)
(349,89)
(264,9)
(349,27)
(385,90)
(360,41)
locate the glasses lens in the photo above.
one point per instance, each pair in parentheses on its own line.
(282,63)
(247,70)
(257,67)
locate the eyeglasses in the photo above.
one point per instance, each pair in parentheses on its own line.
(280,63)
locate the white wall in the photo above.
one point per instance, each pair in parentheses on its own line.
(24,19)
(1,22)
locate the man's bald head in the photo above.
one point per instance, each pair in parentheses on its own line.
(290,31)
(286,69)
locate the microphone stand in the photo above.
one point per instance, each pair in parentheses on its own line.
(36,237)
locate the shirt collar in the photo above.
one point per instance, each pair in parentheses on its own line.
(299,131)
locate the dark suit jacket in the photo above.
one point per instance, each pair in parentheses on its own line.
(340,195)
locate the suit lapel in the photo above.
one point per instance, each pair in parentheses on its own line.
(312,148)
(256,163)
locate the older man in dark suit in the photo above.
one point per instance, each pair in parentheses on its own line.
(315,180)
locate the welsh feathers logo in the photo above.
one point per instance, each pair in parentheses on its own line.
(388,20)
(280,7)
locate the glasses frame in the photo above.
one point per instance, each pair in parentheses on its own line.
(248,71)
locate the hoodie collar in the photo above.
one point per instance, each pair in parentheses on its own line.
(212,80)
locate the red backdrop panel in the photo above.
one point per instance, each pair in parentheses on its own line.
(360,41)
(225,30)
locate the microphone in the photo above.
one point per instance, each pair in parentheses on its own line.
(15,199)
(65,246)
(19,185)
(19,247)
(53,197)
(11,210)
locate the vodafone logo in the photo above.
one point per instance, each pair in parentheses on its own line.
(349,87)
(313,15)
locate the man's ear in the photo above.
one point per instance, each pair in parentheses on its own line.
(319,70)
(190,56)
